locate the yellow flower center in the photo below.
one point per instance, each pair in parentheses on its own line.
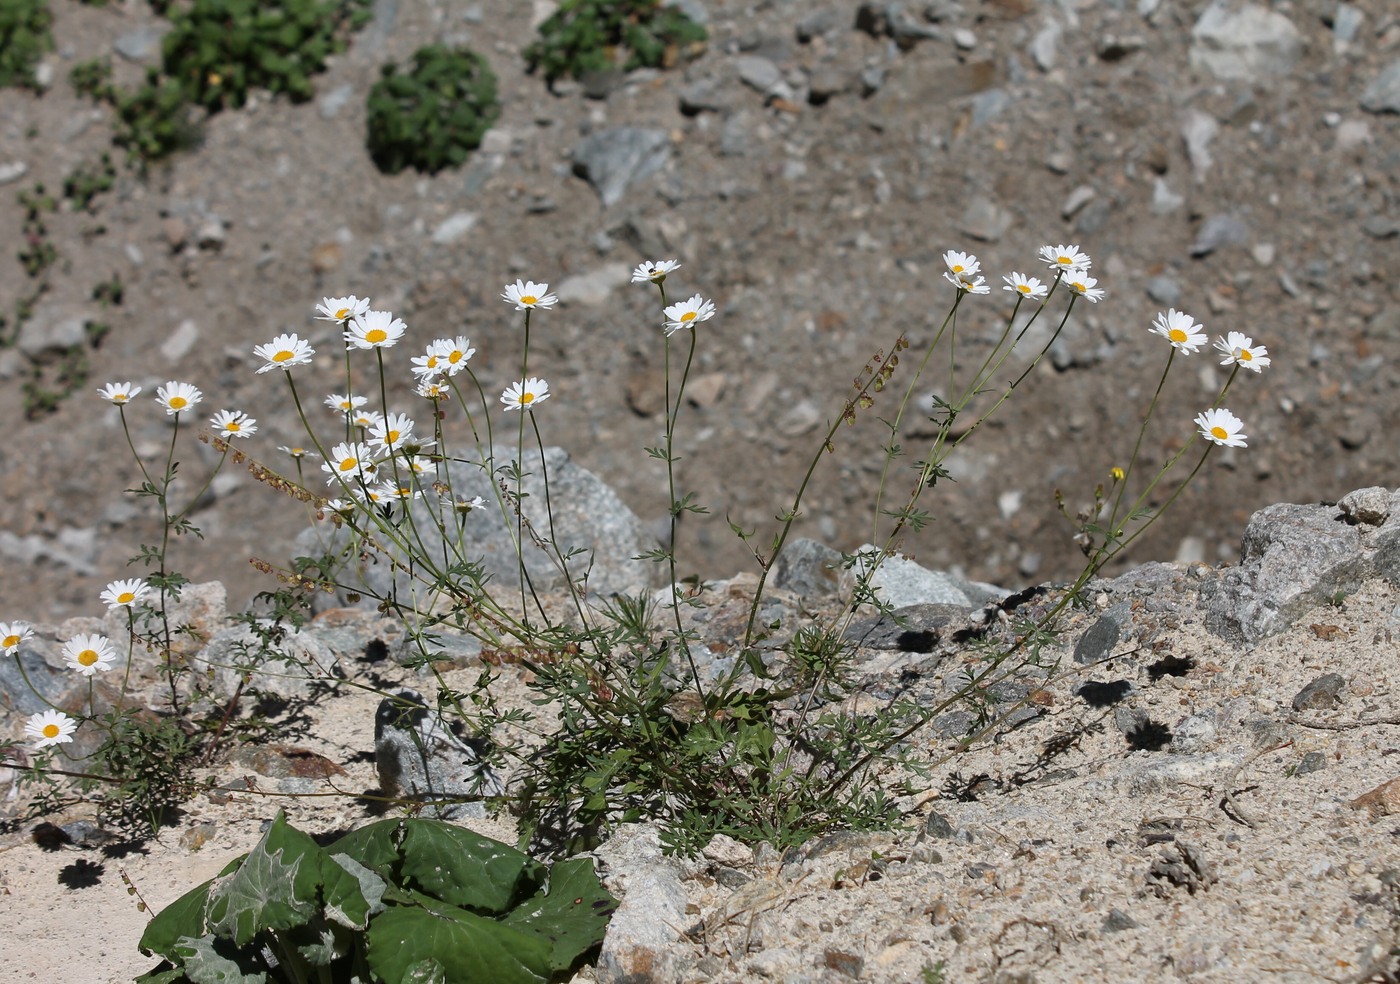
(87,657)
(1117,473)
(296,452)
(1177,335)
(432,362)
(283,355)
(51,731)
(688,316)
(376,335)
(126,597)
(1220,433)
(959,268)
(342,314)
(1065,260)
(529,299)
(178,403)
(9,642)
(232,427)
(1024,288)
(120,397)
(1246,355)
(455,357)
(527,397)
(391,437)
(348,464)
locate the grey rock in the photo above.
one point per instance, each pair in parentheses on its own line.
(1118,921)
(642,936)
(12,171)
(871,79)
(142,44)
(889,19)
(914,629)
(937,825)
(1076,200)
(588,516)
(1198,129)
(1370,506)
(1380,226)
(1293,558)
(809,568)
(615,159)
(703,95)
(1164,200)
(54,329)
(1321,694)
(759,74)
(1164,290)
(1195,734)
(1093,218)
(453,228)
(964,39)
(988,105)
(1045,47)
(179,342)
(1217,231)
(1116,47)
(1346,22)
(36,668)
(595,286)
(283,664)
(901,582)
(1183,865)
(419,757)
(1250,42)
(694,10)
(1311,762)
(1096,644)
(1382,95)
(826,82)
(375,35)
(330,105)
(817,23)
(985,220)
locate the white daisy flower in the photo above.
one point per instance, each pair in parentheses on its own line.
(233,423)
(125,593)
(392,432)
(962,265)
(1065,258)
(654,271)
(119,393)
(464,505)
(374,329)
(341,309)
(89,653)
(1178,328)
(50,728)
(294,452)
(1222,427)
(394,491)
(427,365)
(13,635)
(178,397)
(454,353)
(1239,350)
(688,313)
(366,418)
(433,389)
(419,464)
(969,283)
(1083,285)
(283,352)
(347,461)
(1019,283)
(528,294)
(345,402)
(342,506)
(524,395)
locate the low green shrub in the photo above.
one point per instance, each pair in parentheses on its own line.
(24,37)
(434,115)
(395,901)
(596,35)
(219,49)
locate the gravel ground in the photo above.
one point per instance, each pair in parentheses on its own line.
(816,166)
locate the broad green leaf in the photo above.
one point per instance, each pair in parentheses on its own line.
(466,869)
(205,965)
(375,845)
(470,949)
(173,976)
(353,892)
(182,918)
(276,887)
(570,914)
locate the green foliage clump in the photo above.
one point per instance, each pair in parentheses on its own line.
(24,37)
(395,901)
(219,49)
(585,36)
(154,120)
(433,116)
